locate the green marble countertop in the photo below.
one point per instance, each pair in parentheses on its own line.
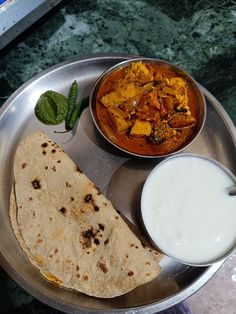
(199,36)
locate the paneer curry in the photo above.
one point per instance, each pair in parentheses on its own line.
(147,109)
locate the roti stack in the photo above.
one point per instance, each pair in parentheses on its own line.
(69,230)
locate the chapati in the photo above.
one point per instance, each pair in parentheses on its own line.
(69,230)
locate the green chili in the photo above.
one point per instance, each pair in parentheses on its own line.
(73,118)
(71,102)
(76,112)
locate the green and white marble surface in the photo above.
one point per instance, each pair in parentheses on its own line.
(199,36)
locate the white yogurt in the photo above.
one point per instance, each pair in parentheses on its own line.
(187,211)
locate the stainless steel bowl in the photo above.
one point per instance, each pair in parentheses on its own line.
(167,250)
(163,64)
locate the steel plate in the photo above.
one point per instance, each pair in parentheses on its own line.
(120,177)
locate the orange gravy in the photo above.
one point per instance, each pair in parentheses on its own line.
(140,145)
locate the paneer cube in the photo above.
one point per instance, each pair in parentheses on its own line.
(141,128)
(118,119)
(138,71)
(119,95)
(180,88)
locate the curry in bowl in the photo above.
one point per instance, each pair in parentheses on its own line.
(147,108)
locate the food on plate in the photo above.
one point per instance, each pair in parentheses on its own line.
(69,230)
(75,108)
(72,112)
(54,108)
(191,218)
(146,108)
(76,113)
(51,108)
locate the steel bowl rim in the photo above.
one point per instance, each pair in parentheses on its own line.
(102,77)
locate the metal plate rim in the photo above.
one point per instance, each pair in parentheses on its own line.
(221,111)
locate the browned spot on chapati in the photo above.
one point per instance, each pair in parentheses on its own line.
(87,237)
(96,241)
(46,167)
(72,198)
(78,275)
(88,198)
(30,198)
(54,168)
(44,145)
(53,151)
(68,185)
(44,152)
(77,169)
(39,240)
(23,165)
(85,277)
(103,267)
(77,267)
(96,208)
(106,241)
(130,273)
(58,161)
(36,184)
(62,210)
(101,226)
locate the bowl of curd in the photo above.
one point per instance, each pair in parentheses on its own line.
(187,210)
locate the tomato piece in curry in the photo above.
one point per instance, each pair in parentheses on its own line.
(147,109)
